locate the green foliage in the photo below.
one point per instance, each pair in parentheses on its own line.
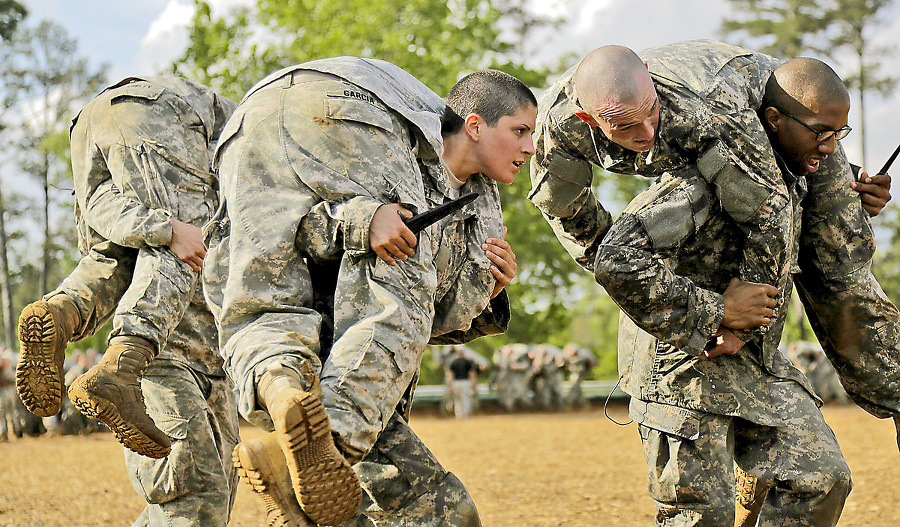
(782,28)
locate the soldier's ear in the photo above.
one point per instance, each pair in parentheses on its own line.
(472,125)
(771,118)
(586,117)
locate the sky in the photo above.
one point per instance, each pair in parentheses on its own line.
(144,37)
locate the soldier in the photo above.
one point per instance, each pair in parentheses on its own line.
(514,372)
(810,359)
(141,157)
(703,397)
(548,364)
(848,311)
(7,393)
(324,160)
(461,378)
(579,362)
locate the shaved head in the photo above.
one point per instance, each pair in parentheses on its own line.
(804,85)
(609,77)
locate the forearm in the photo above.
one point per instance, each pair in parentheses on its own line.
(126,221)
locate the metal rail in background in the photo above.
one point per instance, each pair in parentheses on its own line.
(432,393)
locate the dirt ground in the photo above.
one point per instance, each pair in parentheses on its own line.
(572,469)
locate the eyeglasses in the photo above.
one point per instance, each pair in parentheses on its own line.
(822,136)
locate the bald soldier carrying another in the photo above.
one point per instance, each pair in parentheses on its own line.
(700,410)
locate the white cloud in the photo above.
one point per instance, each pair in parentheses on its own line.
(166,37)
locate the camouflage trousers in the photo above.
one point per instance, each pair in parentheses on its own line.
(196,483)
(512,388)
(404,484)
(148,291)
(691,474)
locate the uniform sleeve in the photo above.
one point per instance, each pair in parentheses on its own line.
(125,221)
(330,229)
(561,189)
(857,325)
(631,265)
(741,166)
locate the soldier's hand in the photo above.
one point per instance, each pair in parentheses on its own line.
(724,343)
(389,237)
(504,268)
(748,304)
(874,191)
(187,244)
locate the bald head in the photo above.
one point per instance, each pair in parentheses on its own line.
(609,77)
(805,85)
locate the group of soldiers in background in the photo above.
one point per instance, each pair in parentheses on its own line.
(16,420)
(522,376)
(543,376)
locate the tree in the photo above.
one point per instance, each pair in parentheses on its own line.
(11,13)
(44,83)
(789,28)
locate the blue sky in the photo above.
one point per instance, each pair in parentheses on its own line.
(143,37)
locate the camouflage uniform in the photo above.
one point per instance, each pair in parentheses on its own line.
(858,327)
(697,417)
(134,171)
(514,372)
(708,94)
(579,362)
(310,154)
(548,365)
(7,393)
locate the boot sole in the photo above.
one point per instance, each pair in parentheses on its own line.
(94,407)
(324,483)
(255,467)
(40,380)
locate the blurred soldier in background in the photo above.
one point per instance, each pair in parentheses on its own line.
(809,358)
(548,364)
(513,369)
(461,378)
(579,363)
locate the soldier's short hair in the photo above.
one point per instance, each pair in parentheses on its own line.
(491,94)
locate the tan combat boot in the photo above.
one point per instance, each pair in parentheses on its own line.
(111,392)
(749,497)
(261,463)
(45,328)
(324,483)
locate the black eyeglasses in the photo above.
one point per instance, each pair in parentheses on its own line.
(822,136)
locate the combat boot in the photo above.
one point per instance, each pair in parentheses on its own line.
(325,485)
(111,392)
(45,327)
(261,463)
(749,494)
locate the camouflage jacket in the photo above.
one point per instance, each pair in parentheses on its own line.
(116,197)
(319,213)
(668,277)
(709,93)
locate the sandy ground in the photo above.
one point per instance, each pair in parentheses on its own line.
(572,469)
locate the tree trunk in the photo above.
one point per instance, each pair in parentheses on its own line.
(45,267)
(9,328)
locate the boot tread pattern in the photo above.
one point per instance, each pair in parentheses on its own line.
(326,486)
(280,512)
(95,407)
(39,377)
